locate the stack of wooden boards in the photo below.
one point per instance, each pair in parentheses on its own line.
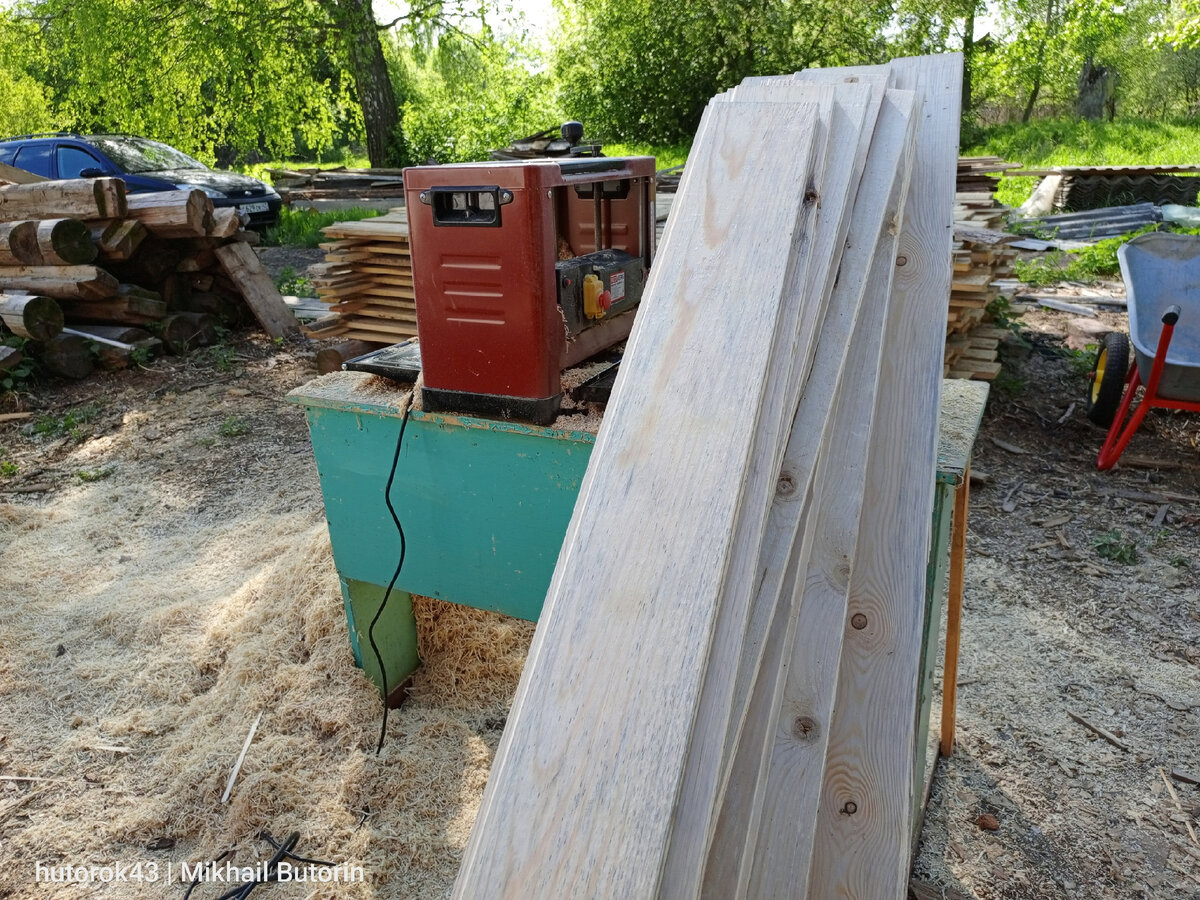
(720,699)
(84,253)
(367,279)
(975,191)
(337,184)
(981,256)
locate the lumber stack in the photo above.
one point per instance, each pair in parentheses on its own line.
(367,280)
(975,191)
(337,184)
(724,704)
(84,253)
(980,257)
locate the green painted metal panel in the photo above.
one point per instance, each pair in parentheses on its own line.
(484,506)
(936,572)
(395,632)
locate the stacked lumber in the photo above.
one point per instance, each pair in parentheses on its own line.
(724,704)
(367,280)
(337,184)
(980,258)
(975,191)
(84,253)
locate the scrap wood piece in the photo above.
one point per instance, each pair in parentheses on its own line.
(118,239)
(10,358)
(867,799)
(242,265)
(17,416)
(78,198)
(237,766)
(1185,777)
(591,760)
(1187,819)
(1100,732)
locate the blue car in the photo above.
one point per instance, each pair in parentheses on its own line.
(144,165)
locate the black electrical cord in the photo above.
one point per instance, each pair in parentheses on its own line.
(270,870)
(387,496)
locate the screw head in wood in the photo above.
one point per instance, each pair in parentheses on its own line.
(850,808)
(902,260)
(858,621)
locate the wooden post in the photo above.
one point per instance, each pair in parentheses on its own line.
(958,545)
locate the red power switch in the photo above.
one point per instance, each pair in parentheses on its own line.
(605,300)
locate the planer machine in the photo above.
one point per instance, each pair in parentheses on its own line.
(522,269)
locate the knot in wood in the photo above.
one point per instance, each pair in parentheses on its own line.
(902,260)
(786,486)
(811,197)
(804,728)
(858,621)
(850,808)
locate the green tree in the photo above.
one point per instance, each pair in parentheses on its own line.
(643,70)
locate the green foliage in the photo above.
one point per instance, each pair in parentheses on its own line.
(8,468)
(471,93)
(1087,264)
(1113,546)
(665,156)
(643,70)
(67,424)
(288,282)
(13,379)
(87,476)
(233,426)
(302,227)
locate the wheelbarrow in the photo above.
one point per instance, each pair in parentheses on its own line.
(1162,283)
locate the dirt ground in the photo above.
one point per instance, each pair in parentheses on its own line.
(166,576)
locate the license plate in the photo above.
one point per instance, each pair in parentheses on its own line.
(254,207)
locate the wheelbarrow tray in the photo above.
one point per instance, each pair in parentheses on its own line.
(1161,270)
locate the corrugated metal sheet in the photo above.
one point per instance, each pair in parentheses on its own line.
(1094,224)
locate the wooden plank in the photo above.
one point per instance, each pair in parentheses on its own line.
(591,760)
(861,848)
(242,265)
(855,110)
(13,175)
(800,693)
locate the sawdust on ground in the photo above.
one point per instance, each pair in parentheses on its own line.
(167,577)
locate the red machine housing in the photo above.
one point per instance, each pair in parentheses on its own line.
(485,239)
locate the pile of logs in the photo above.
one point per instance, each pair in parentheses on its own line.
(84,264)
(721,700)
(981,256)
(367,280)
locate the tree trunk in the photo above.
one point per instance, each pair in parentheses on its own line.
(1041,65)
(381,113)
(1095,90)
(968,51)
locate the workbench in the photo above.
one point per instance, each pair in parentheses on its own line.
(485,504)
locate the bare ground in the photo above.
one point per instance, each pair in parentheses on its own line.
(165,575)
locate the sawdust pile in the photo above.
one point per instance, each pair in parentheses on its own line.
(142,630)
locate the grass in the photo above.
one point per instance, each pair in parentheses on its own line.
(70,423)
(302,227)
(87,476)
(288,282)
(232,427)
(8,468)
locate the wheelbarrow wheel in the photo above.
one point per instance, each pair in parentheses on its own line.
(1108,379)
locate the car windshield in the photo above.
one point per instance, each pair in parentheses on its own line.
(135,154)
